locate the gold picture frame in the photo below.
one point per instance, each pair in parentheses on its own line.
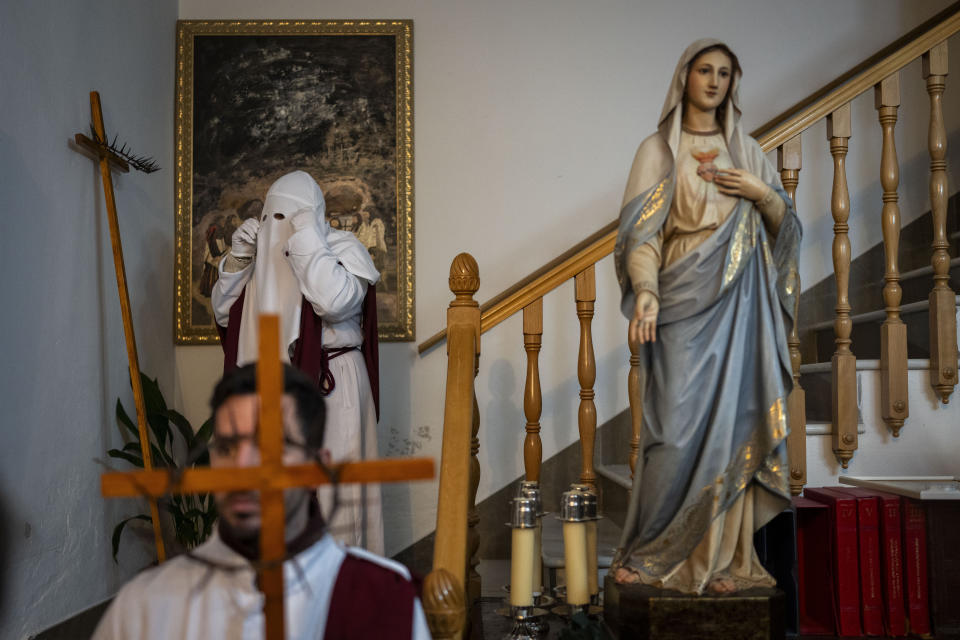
(256,99)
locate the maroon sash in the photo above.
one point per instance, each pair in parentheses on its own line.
(308,353)
(370,601)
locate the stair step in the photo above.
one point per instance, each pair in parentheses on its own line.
(863,364)
(816,381)
(928,270)
(865,335)
(826,428)
(617,473)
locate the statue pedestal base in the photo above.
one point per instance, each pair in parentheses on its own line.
(640,611)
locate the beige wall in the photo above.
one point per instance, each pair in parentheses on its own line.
(527,118)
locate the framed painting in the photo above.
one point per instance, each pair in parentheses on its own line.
(258,99)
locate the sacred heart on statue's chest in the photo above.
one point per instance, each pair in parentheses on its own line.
(705,156)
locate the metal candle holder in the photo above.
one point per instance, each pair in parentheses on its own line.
(579,505)
(527,623)
(531,489)
(591,512)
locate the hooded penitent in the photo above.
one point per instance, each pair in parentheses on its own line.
(320,282)
(713,463)
(277,289)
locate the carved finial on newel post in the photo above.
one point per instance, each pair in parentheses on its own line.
(443,604)
(464,280)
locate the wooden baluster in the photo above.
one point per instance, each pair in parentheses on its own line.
(843,363)
(893,334)
(473,514)
(789,162)
(444,599)
(532,398)
(635,396)
(943,319)
(586,294)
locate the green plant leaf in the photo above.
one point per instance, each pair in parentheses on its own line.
(133,447)
(195,515)
(118,530)
(123,420)
(161,458)
(136,461)
(203,433)
(156,407)
(152,396)
(199,444)
(187,533)
(160,428)
(182,425)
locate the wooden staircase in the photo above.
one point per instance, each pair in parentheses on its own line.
(454,582)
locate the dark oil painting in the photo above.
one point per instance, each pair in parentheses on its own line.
(267,104)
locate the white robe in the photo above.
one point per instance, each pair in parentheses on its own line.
(186,600)
(337,296)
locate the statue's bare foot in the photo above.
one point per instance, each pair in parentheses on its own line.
(625,576)
(721,585)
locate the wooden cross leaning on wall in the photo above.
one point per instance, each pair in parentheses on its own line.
(270,478)
(108,159)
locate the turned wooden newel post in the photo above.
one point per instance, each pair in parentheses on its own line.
(789,162)
(943,319)
(894,404)
(843,363)
(586,294)
(445,587)
(532,397)
(443,604)
(473,515)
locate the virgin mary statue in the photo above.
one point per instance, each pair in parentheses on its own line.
(706,256)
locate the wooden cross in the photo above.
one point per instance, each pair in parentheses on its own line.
(107,160)
(270,478)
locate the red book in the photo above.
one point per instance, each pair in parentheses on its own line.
(891,560)
(846,572)
(871,580)
(814,560)
(915,557)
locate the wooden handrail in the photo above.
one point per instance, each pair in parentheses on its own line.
(781,129)
(860,78)
(540,282)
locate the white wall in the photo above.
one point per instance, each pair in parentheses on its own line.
(527,118)
(65,363)
(927,445)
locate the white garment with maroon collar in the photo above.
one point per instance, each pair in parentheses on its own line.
(187,600)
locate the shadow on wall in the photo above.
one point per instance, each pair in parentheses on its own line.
(395,372)
(5,544)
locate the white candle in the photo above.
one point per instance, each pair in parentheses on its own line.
(537,559)
(521,567)
(575,562)
(592,585)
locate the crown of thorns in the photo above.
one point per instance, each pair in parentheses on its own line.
(146,164)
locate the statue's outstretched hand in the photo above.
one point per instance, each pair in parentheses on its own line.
(643,325)
(740,184)
(243,243)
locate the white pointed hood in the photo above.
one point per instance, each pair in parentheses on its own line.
(275,288)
